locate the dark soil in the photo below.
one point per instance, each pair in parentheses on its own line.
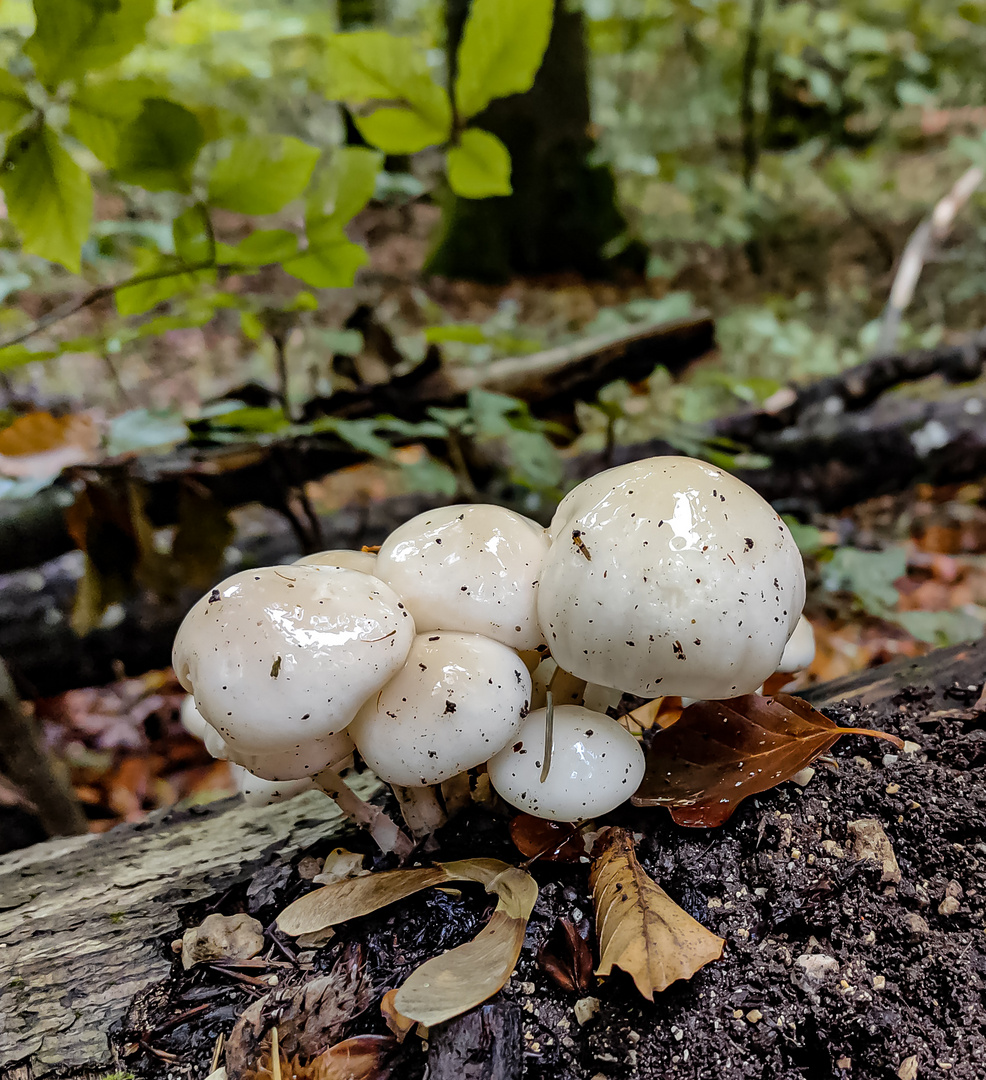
(898,973)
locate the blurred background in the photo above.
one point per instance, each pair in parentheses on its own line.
(274,277)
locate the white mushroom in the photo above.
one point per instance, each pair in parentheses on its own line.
(800,648)
(259,792)
(459,699)
(472,569)
(281,658)
(295,761)
(596,765)
(669,576)
(363,561)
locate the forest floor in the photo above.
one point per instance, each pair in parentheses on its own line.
(835,965)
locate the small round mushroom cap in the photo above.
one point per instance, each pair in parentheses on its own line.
(459,699)
(286,655)
(472,569)
(259,792)
(596,764)
(363,561)
(800,648)
(669,576)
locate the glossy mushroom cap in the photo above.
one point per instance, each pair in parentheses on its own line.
(363,561)
(459,699)
(596,765)
(471,569)
(669,576)
(800,648)
(281,657)
(296,761)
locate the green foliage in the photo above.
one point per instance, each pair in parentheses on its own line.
(49,197)
(502,45)
(260,174)
(158,148)
(479,166)
(868,575)
(14,102)
(77,36)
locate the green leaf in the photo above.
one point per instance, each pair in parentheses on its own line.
(339,192)
(466,333)
(360,434)
(399,131)
(330,261)
(479,166)
(941,628)
(14,356)
(373,66)
(14,102)
(192,233)
(260,248)
(100,113)
(868,575)
(429,475)
(157,150)
(261,173)
(165,278)
(72,37)
(142,429)
(49,198)
(502,46)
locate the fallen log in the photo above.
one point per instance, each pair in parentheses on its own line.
(86,923)
(838,461)
(33,530)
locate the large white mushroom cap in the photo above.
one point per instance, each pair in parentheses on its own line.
(669,576)
(472,569)
(596,764)
(281,657)
(363,561)
(459,699)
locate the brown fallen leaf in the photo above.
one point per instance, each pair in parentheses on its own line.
(309,1016)
(222,937)
(640,928)
(39,444)
(552,841)
(662,712)
(462,978)
(398,1023)
(566,958)
(721,752)
(363,1057)
(353,897)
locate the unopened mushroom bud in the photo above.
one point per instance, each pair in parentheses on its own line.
(259,792)
(459,699)
(800,648)
(283,657)
(363,561)
(596,764)
(669,576)
(471,569)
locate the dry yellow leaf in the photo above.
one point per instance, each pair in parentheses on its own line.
(462,978)
(39,444)
(639,927)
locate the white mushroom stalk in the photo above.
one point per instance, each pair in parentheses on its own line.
(799,652)
(669,576)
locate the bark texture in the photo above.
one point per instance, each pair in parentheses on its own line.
(85,923)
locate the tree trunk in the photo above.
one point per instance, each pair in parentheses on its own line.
(562,215)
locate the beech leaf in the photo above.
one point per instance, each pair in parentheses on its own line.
(640,928)
(720,752)
(462,978)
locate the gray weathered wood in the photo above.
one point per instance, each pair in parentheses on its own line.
(85,921)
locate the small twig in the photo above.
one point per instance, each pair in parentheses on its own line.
(931,232)
(275,1055)
(549,735)
(751,148)
(217,1052)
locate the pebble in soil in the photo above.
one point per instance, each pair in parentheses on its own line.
(828,970)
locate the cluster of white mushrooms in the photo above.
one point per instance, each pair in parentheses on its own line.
(661,577)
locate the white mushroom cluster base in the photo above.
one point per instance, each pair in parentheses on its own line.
(661,577)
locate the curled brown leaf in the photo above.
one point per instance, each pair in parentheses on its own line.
(720,752)
(640,928)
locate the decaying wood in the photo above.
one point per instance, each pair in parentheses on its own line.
(484,1044)
(86,923)
(24,760)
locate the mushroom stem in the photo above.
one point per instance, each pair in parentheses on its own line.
(388,835)
(422,810)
